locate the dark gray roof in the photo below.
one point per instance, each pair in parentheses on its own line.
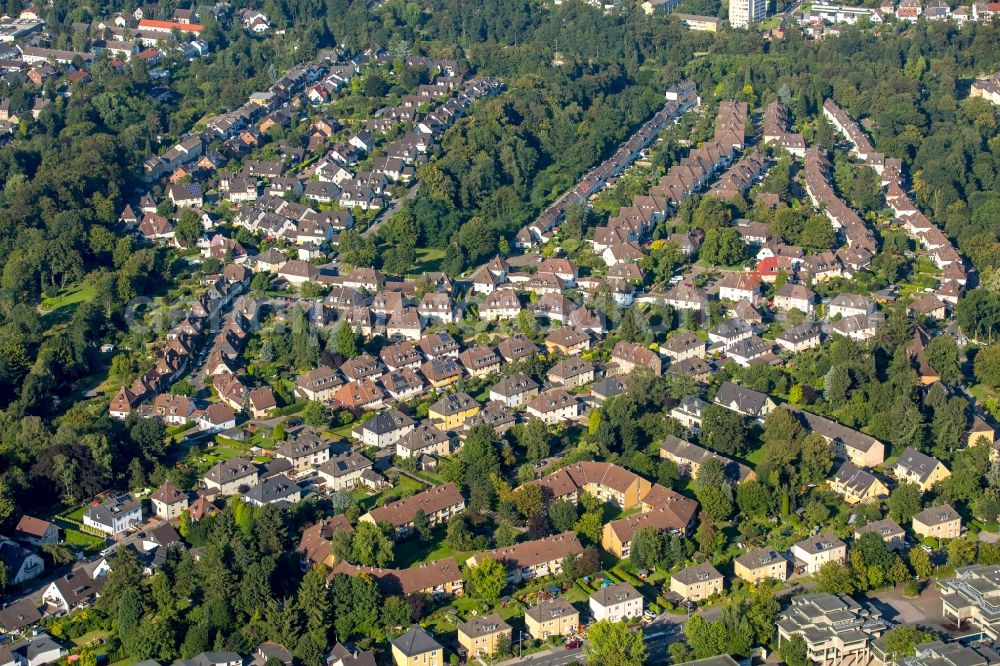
(416,641)
(615,594)
(387,422)
(273,489)
(740,399)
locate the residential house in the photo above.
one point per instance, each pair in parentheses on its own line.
(629,356)
(385,429)
(530,559)
(738,286)
(344,471)
(451,411)
(514,390)
(424,440)
(114,516)
(683,345)
(480,360)
(861,449)
(551,617)
(169,502)
(937,522)
(794,296)
(760,565)
(744,400)
(912,466)
(696,583)
(230,476)
(801,337)
(571,372)
(416,647)
(436,579)
(554,406)
(21,564)
(689,412)
(728,332)
(689,459)
(35,531)
(888,530)
(672,512)
(277,489)
(304,452)
(811,554)
(439,504)
(318,384)
(616,603)
(484,635)
(836,629)
(567,340)
(856,485)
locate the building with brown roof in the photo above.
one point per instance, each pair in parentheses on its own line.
(676,513)
(316,544)
(440,578)
(439,504)
(528,559)
(169,501)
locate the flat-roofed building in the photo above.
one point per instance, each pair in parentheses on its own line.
(835,628)
(972,597)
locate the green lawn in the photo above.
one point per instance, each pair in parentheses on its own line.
(72,295)
(91,637)
(413,551)
(428,260)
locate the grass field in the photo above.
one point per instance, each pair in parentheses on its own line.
(72,295)
(428,260)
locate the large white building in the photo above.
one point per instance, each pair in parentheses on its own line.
(743,13)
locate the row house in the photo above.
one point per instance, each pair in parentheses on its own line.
(439,504)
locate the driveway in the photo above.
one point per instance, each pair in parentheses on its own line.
(924,610)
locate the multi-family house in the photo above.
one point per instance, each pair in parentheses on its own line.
(305,452)
(344,471)
(856,485)
(811,554)
(416,647)
(938,522)
(452,410)
(484,635)
(530,559)
(552,617)
(912,466)
(761,564)
(616,603)
(514,390)
(384,429)
(229,476)
(554,406)
(571,372)
(697,583)
(439,504)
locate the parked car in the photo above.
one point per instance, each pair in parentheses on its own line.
(572,645)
